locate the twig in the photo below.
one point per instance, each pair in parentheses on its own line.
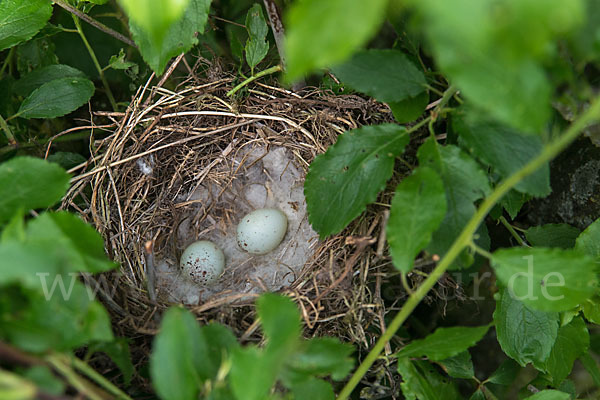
(277,28)
(279,34)
(512,231)
(150,273)
(95,23)
(165,76)
(77,128)
(7,132)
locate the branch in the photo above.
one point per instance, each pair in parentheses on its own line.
(95,23)
(279,34)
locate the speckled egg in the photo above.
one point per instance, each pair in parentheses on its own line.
(203,262)
(262,230)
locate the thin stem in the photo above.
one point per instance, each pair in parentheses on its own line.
(57,361)
(268,71)
(7,131)
(95,23)
(549,152)
(480,250)
(7,61)
(512,231)
(96,63)
(99,379)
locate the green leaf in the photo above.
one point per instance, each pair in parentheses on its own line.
(591,309)
(30,183)
(341,182)
(20,20)
(83,246)
(59,318)
(525,335)
(478,395)
(66,159)
(215,342)
(552,235)
(500,58)
(252,374)
(324,356)
(322,33)
(591,366)
(409,109)
(550,395)
(513,201)
(504,149)
(418,208)
(459,366)
(175,358)
(179,38)
(421,381)
(26,85)
(256,46)
(155,16)
(313,389)
(280,320)
(572,342)
(505,374)
(119,62)
(464,183)
(546,279)
(387,75)
(589,240)
(56,98)
(444,343)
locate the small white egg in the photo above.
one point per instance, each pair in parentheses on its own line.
(262,230)
(203,262)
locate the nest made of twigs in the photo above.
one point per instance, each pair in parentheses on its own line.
(157,150)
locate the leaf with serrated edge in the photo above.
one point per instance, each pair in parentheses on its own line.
(30,183)
(459,366)
(56,98)
(321,33)
(155,16)
(588,241)
(464,182)
(256,46)
(20,20)
(179,38)
(552,235)
(444,342)
(30,82)
(418,208)
(546,279)
(572,342)
(321,356)
(525,335)
(350,174)
(422,381)
(387,75)
(503,148)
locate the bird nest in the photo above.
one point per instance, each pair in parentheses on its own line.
(185,164)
